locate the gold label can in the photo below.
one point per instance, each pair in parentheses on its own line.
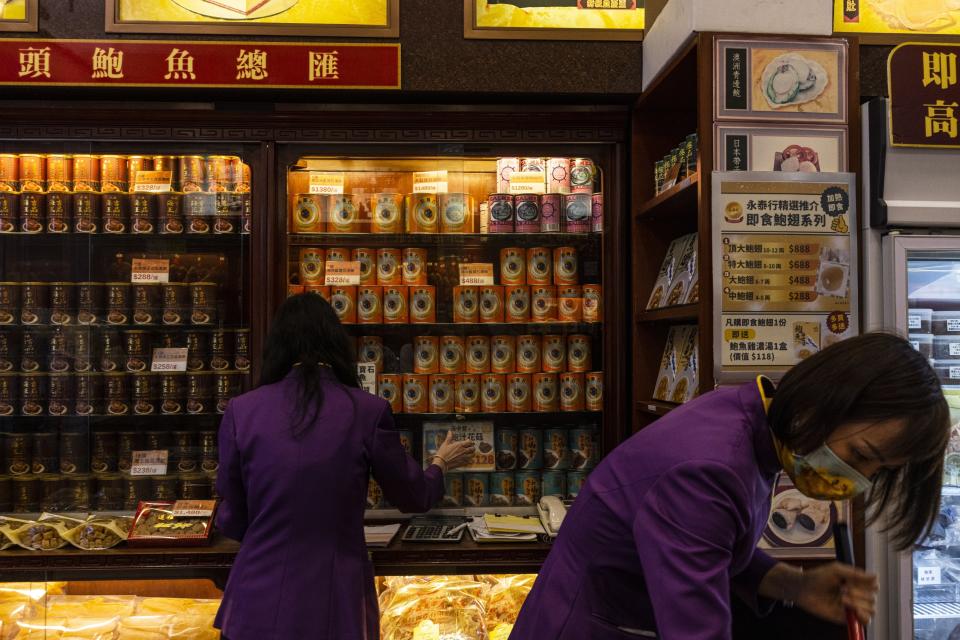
(570,304)
(491,304)
(345,214)
(565,266)
(86,173)
(466,304)
(113,174)
(518,393)
(395,310)
(468,393)
(426,355)
(414,266)
(517,304)
(136,164)
(423,306)
(312,265)
(571,392)
(415,393)
(387,212)
(593,394)
(493,396)
(59,173)
(9,172)
(191,173)
(442,394)
(592,303)
(579,356)
(368,265)
(503,354)
(33,176)
(389,267)
(554,354)
(456,212)
(344,303)
(478,354)
(539,266)
(308,214)
(452,359)
(529,354)
(370,305)
(545,392)
(220,172)
(390,388)
(370,351)
(543,303)
(513,266)
(422,213)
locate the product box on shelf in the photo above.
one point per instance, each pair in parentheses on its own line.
(181,523)
(480,432)
(678,270)
(679,374)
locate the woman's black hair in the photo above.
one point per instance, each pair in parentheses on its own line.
(872,378)
(306,332)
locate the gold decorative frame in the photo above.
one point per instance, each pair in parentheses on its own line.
(30,24)
(472,31)
(114,23)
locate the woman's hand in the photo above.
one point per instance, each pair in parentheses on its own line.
(828,591)
(454,455)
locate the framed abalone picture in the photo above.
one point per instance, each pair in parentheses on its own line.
(800,527)
(781,80)
(788,149)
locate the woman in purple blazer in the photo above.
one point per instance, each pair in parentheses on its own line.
(295,458)
(666,527)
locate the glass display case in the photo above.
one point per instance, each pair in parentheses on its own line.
(124,325)
(474,287)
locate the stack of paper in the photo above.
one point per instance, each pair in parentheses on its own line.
(380,536)
(513,524)
(480,533)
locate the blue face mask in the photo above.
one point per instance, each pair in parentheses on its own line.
(821,474)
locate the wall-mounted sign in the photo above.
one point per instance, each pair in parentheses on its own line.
(162,63)
(782,80)
(18,15)
(800,527)
(889,20)
(554,19)
(797,149)
(785,269)
(924,95)
(369,18)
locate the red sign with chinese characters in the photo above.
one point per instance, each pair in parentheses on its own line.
(162,63)
(924,95)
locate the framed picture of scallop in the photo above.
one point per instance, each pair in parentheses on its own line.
(800,527)
(810,149)
(781,80)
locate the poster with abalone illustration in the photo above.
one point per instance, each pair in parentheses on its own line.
(892,20)
(362,18)
(800,527)
(788,149)
(782,80)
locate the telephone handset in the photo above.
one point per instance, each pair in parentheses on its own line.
(552,512)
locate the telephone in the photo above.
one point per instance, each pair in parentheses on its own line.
(552,512)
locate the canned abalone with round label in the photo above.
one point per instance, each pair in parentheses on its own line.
(17,452)
(368,265)
(9,211)
(74,450)
(513,266)
(452,356)
(467,393)
(34,302)
(370,351)
(137,347)
(220,173)
(62,302)
(556,449)
(170,218)
(529,349)
(104,451)
(221,344)
(113,174)
(241,349)
(89,296)
(558,175)
(136,164)
(545,392)
(491,304)
(86,212)
(118,302)
(596,217)
(387,212)
(571,392)
(543,303)
(116,212)
(89,394)
(579,353)
(9,351)
(517,304)
(9,172)
(9,302)
(59,393)
(476,489)
(426,354)
(466,304)
(199,392)
(228,384)
(457,212)
(59,173)
(9,393)
(518,393)
(555,484)
(389,267)
(175,303)
(203,303)
(116,394)
(566,270)
(528,487)
(58,350)
(414,266)
(390,388)
(86,173)
(172,393)
(539,266)
(423,304)
(110,351)
(191,173)
(147,302)
(477,354)
(33,388)
(344,303)
(32,208)
(199,210)
(577,212)
(45,451)
(502,489)
(59,212)
(143,213)
(493,393)
(415,393)
(345,214)
(144,393)
(527,213)
(583,172)
(554,354)
(570,303)
(395,310)
(171,164)
(503,354)
(33,174)
(442,394)
(500,211)
(422,214)
(593,394)
(228,211)
(309,213)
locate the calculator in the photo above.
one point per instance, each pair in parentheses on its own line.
(434,529)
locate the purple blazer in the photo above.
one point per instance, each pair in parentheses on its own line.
(297,506)
(664,529)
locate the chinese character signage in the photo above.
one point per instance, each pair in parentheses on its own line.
(369,18)
(886,20)
(782,80)
(481,433)
(18,15)
(799,149)
(199,64)
(924,95)
(554,19)
(785,265)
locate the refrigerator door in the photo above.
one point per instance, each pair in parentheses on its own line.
(922,300)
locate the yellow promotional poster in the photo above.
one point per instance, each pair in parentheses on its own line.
(897,17)
(18,15)
(581,19)
(291,17)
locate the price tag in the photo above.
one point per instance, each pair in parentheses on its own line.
(430,182)
(193,508)
(528,182)
(149,463)
(476,274)
(928,575)
(166,360)
(340,274)
(148,270)
(153,182)
(330,184)
(367,374)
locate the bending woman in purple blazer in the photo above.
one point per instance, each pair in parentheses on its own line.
(666,527)
(295,458)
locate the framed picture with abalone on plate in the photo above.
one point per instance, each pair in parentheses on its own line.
(800,527)
(19,15)
(781,80)
(794,149)
(554,19)
(358,18)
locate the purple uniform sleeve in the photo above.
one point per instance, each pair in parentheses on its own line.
(405,485)
(747,583)
(685,532)
(232,513)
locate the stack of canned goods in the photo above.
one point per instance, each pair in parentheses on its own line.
(679,164)
(117,194)
(73,469)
